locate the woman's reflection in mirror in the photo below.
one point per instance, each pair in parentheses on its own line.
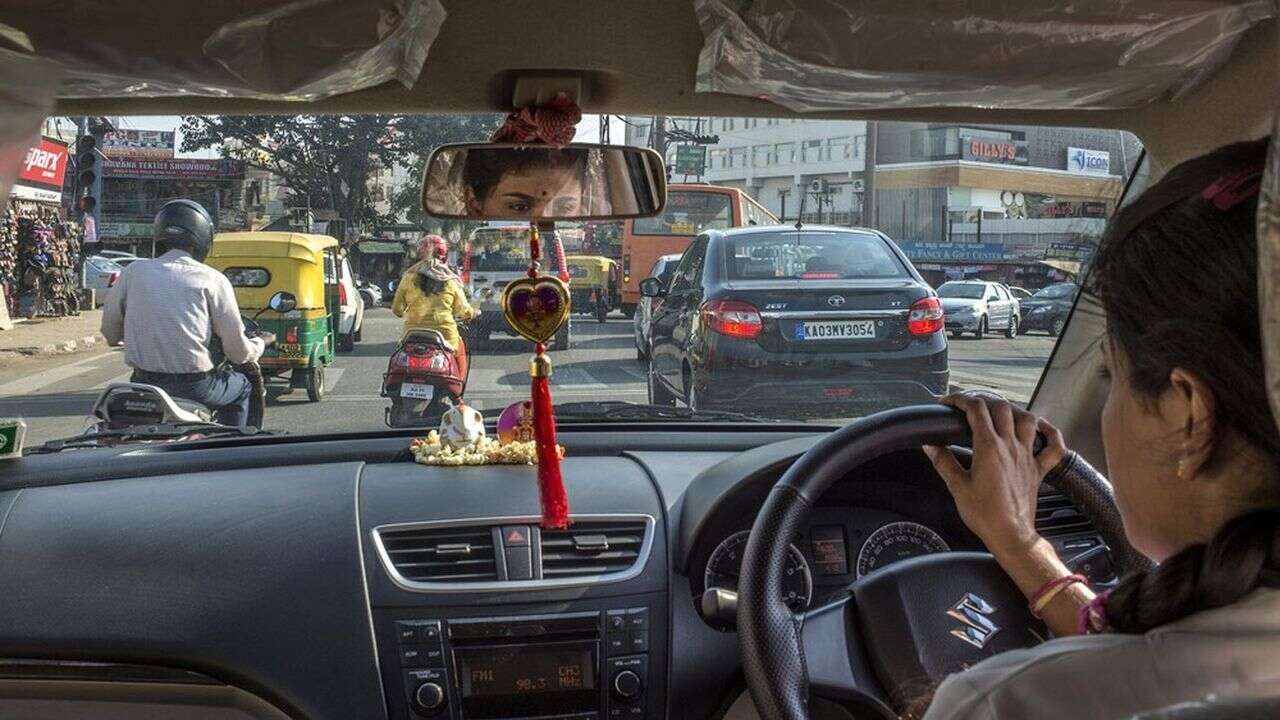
(529,183)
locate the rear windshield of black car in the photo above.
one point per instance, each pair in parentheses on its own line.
(971,291)
(1057,292)
(810,256)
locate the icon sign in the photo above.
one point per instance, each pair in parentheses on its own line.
(974,613)
(516,535)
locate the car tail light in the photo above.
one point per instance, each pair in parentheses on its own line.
(925,317)
(400,359)
(342,294)
(111,281)
(291,335)
(733,318)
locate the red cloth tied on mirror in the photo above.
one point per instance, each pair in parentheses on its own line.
(552,124)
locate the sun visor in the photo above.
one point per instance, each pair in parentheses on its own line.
(302,50)
(833,55)
(27,86)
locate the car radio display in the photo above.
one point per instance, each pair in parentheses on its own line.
(495,679)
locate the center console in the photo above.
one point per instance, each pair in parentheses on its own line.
(491,617)
(575,666)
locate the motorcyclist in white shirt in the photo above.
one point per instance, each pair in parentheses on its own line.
(167,311)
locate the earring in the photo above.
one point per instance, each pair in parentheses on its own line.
(1182,469)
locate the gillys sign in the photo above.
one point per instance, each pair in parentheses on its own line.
(42,172)
(989,150)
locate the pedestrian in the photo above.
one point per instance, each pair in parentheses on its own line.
(167,312)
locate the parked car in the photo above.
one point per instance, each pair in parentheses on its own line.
(120,257)
(100,273)
(662,270)
(350,302)
(1018,293)
(1048,308)
(977,306)
(370,293)
(798,321)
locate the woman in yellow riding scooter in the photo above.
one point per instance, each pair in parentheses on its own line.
(430,296)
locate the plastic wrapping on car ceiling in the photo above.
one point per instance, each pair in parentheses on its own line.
(300,50)
(830,55)
(27,95)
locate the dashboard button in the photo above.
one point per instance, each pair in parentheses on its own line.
(406,633)
(638,618)
(639,641)
(618,644)
(413,656)
(429,632)
(627,685)
(515,536)
(616,621)
(519,563)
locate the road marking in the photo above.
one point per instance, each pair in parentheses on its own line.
(577,378)
(45,378)
(331,375)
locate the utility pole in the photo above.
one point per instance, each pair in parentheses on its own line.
(660,137)
(869,218)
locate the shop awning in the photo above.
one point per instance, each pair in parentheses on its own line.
(1071,267)
(379,247)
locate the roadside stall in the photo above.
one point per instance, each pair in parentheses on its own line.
(39,248)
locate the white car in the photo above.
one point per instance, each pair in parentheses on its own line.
(662,270)
(120,257)
(351,305)
(100,273)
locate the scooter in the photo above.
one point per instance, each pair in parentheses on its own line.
(422,379)
(123,407)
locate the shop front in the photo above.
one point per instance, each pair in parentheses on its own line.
(134,188)
(1014,265)
(40,249)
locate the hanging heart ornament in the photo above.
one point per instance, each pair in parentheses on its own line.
(536,307)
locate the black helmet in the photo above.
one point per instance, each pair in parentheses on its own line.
(184,224)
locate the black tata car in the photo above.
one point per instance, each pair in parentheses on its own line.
(789,322)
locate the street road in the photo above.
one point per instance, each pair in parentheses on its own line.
(55,394)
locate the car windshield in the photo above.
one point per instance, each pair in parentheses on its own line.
(792,255)
(1057,292)
(752,319)
(968,291)
(689,212)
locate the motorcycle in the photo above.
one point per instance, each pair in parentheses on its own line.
(130,410)
(422,379)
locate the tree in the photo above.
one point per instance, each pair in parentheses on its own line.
(326,160)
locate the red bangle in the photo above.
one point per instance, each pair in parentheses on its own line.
(1041,597)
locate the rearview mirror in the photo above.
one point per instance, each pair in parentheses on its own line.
(497,181)
(651,287)
(282,302)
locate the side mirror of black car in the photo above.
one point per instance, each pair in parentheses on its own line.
(651,287)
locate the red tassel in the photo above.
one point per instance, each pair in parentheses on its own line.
(555,502)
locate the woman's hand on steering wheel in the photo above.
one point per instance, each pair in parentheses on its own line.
(996,496)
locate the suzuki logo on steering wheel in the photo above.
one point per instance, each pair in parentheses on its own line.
(977,629)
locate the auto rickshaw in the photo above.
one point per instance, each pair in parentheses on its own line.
(594,286)
(260,264)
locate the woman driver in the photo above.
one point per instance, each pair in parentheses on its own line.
(1194,454)
(532,183)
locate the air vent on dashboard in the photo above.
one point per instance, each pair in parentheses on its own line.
(1056,516)
(442,555)
(592,548)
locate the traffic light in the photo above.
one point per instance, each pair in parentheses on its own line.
(88,174)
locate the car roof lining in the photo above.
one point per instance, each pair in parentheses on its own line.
(634,58)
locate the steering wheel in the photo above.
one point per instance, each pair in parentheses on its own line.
(902,628)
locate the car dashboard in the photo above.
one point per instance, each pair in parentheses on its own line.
(338,579)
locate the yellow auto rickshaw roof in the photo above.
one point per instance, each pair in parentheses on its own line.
(302,246)
(590,259)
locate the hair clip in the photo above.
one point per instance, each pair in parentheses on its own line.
(1230,190)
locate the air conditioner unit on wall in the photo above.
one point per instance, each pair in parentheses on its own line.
(859,185)
(818,185)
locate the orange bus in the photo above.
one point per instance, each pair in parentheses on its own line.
(691,208)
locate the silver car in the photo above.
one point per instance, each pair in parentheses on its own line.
(978,306)
(662,270)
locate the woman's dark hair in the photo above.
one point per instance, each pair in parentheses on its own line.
(429,285)
(484,169)
(1177,276)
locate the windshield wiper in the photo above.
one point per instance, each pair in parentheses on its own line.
(146,432)
(620,410)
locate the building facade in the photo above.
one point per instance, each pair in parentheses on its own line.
(1022,204)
